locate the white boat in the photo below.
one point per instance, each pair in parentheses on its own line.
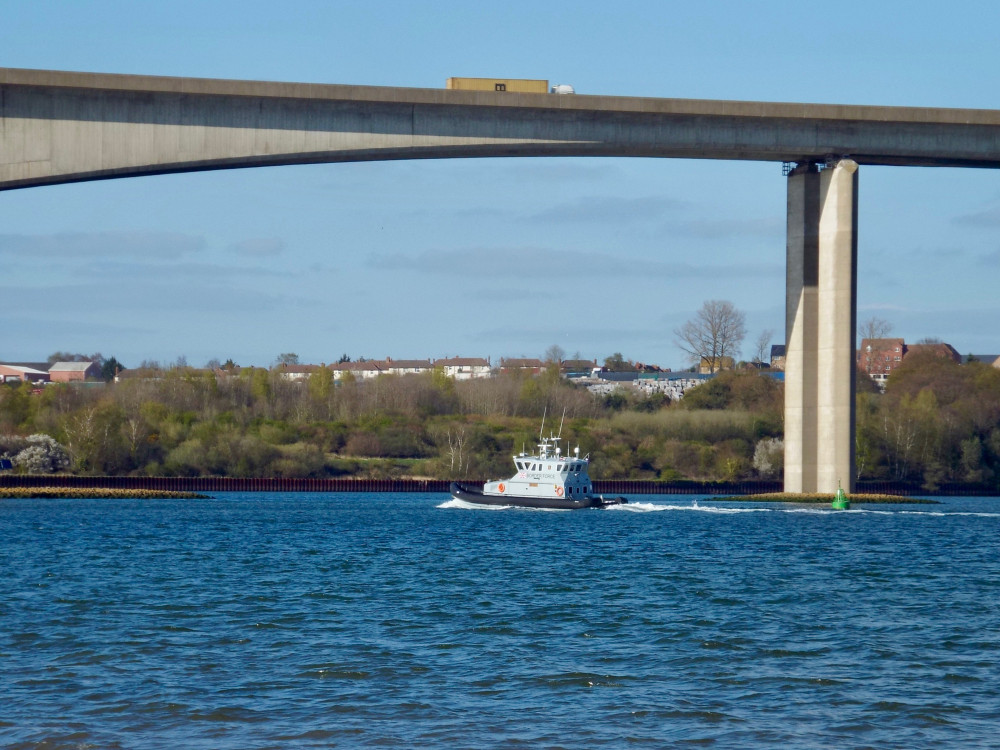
(546,479)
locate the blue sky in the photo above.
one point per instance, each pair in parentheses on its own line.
(418,259)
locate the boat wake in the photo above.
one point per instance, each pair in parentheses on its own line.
(656,508)
(819,510)
(652,507)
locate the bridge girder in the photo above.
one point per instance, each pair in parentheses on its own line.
(66,127)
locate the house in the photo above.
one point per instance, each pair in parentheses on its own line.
(360,370)
(708,365)
(406,366)
(296,373)
(531,366)
(947,351)
(654,369)
(879,357)
(777,356)
(73,372)
(578,368)
(464,368)
(139,373)
(986,359)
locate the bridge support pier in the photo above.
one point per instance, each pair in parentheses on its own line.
(820,325)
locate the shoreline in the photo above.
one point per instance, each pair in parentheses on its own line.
(825,498)
(11,493)
(751,489)
(148,494)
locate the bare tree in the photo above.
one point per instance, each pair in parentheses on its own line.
(875,328)
(762,346)
(714,334)
(554,354)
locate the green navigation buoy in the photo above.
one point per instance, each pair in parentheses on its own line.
(840,501)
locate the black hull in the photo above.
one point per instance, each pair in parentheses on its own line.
(468,495)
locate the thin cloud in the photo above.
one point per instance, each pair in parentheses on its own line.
(881,307)
(564,172)
(258,247)
(550,334)
(101,300)
(545,264)
(990,260)
(608,209)
(102,244)
(183,272)
(720,229)
(987,218)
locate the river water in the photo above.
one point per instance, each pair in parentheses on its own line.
(329,620)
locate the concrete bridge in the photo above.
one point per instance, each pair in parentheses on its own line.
(58,127)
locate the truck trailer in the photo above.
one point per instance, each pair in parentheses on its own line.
(514,85)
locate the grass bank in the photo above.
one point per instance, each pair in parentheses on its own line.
(95,492)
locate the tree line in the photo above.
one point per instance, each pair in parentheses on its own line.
(257,423)
(938,422)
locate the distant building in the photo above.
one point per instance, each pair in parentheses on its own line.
(946,351)
(373,368)
(986,359)
(777,356)
(879,357)
(359,370)
(73,372)
(296,373)
(708,365)
(23,373)
(578,368)
(655,369)
(532,366)
(406,366)
(464,368)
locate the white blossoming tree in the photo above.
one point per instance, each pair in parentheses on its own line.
(43,455)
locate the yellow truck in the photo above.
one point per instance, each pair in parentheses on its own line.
(516,85)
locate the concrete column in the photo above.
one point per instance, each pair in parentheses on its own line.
(820,324)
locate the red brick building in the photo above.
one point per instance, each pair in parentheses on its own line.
(879,357)
(69,372)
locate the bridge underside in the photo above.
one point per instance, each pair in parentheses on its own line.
(64,127)
(60,127)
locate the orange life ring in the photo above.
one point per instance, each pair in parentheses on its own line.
(559,491)
(501,487)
